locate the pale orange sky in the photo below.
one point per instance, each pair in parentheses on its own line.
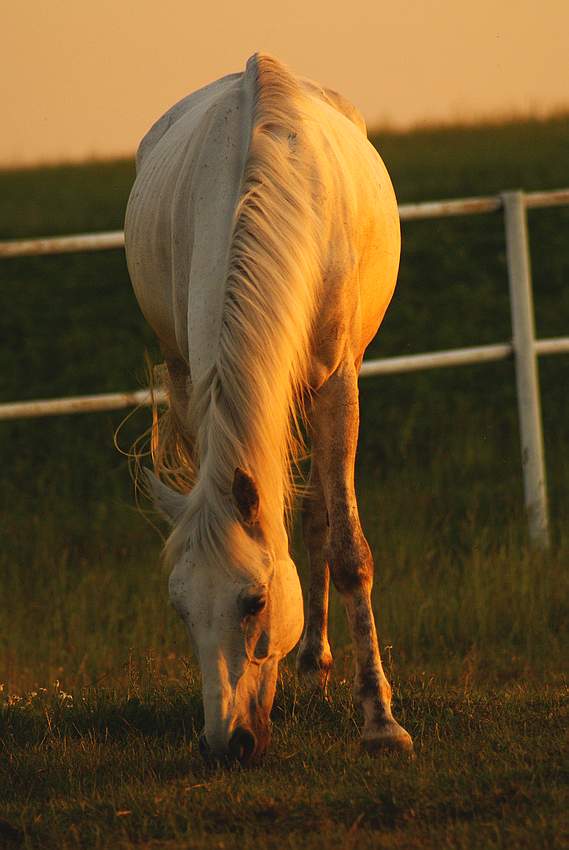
(83,79)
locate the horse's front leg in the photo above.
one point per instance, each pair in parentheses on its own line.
(335,427)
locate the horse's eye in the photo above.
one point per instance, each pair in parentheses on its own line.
(253,605)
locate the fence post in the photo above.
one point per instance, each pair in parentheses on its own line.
(527,379)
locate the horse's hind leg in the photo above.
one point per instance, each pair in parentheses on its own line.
(314,656)
(335,428)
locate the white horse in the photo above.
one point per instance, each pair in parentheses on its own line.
(262,239)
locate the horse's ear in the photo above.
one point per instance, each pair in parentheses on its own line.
(246,496)
(166,501)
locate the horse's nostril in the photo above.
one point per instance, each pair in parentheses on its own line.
(242,744)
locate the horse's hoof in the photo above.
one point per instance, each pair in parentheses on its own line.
(392,739)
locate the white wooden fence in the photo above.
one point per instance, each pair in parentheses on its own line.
(524,346)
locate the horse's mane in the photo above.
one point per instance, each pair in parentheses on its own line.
(245,411)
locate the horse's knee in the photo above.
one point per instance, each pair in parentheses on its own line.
(351,562)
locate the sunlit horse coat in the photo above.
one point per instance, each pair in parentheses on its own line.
(262,239)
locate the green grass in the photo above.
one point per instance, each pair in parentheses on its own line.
(105,769)
(473,624)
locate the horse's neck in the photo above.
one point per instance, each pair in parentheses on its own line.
(245,404)
(222,451)
(215,524)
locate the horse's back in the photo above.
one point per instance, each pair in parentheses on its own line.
(180,212)
(195,103)
(182,208)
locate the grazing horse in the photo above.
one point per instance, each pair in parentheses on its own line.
(262,239)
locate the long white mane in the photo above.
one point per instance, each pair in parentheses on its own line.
(243,412)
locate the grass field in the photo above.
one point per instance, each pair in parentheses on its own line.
(111,770)
(101,704)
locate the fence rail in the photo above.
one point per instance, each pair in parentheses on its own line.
(407,212)
(524,347)
(385,366)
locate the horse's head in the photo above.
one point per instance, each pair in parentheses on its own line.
(244,612)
